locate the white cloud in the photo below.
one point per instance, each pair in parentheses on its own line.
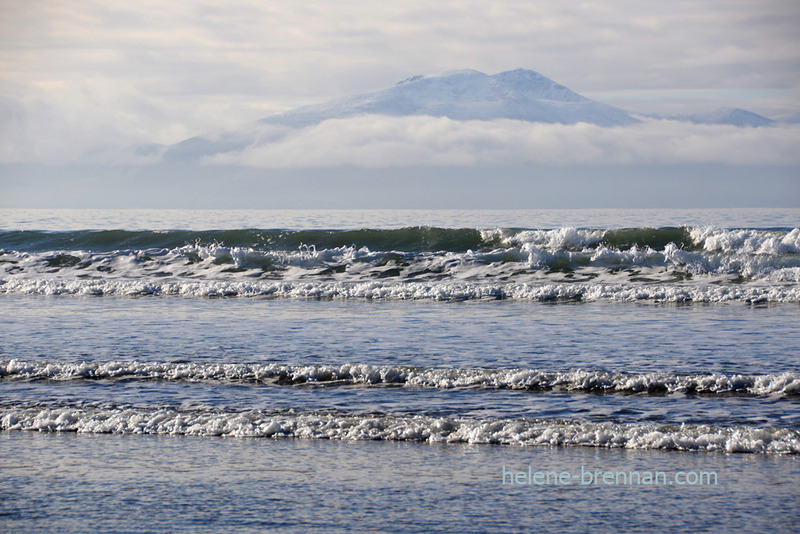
(80,122)
(380,141)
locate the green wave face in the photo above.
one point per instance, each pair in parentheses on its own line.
(411,239)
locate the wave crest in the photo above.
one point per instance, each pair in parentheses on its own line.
(526,432)
(783,384)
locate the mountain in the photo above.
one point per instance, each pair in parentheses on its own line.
(519,94)
(732,116)
(461,95)
(467,95)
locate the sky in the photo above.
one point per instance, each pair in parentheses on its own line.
(83,82)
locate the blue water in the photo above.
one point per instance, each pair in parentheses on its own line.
(105,483)
(187,393)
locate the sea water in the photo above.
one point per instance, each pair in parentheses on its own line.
(400,370)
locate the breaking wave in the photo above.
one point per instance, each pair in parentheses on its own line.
(665,264)
(526,432)
(413,239)
(665,293)
(783,384)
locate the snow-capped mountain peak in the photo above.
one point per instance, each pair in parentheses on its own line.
(467,95)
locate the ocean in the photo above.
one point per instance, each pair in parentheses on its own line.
(400,370)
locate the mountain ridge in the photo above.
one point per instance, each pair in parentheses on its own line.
(726,115)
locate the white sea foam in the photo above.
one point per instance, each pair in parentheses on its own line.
(747,241)
(527,432)
(380,290)
(559,238)
(782,384)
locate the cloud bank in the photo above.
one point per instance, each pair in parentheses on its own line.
(379,141)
